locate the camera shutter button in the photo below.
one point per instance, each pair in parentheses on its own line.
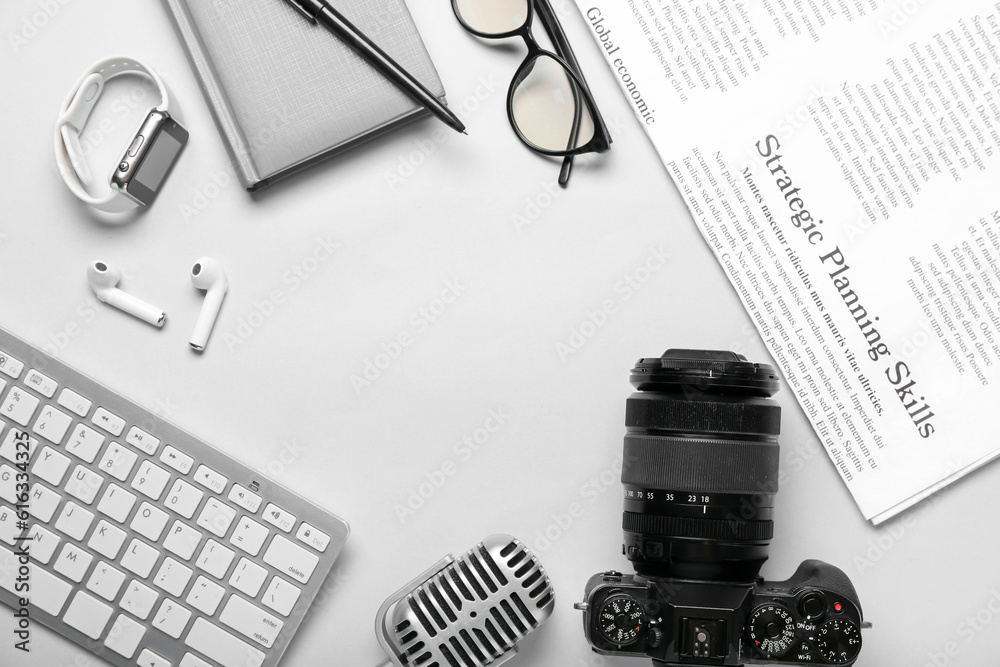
(813,605)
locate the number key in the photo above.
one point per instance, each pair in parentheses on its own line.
(52,425)
(85,443)
(19,406)
(150,480)
(184,499)
(117,461)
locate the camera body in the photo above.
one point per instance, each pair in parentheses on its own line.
(812,618)
(700,473)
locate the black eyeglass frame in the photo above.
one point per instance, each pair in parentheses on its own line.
(601,141)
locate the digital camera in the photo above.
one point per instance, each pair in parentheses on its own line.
(700,474)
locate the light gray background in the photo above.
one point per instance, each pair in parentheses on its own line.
(283,401)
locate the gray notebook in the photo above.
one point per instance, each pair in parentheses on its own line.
(286,93)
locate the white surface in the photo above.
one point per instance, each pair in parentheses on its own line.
(282,400)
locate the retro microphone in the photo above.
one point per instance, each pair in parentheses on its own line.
(469,611)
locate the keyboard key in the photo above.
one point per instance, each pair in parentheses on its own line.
(48,592)
(184,499)
(19,406)
(251,621)
(149,522)
(216,517)
(278,517)
(8,525)
(182,540)
(150,480)
(139,600)
(142,440)
(205,596)
(52,425)
(249,536)
(149,659)
(74,521)
(191,660)
(117,503)
(111,423)
(106,581)
(43,384)
(117,461)
(107,540)
(125,636)
(210,479)
(42,503)
(51,466)
(140,558)
(215,559)
(88,615)
(43,543)
(180,462)
(244,498)
(73,563)
(290,559)
(172,577)
(10,366)
(317,539)
(84,484)
(220,646)
(281,596)
(85,443)
(172,618)
(74,402)
(248,577)
(13,444)
(8,484)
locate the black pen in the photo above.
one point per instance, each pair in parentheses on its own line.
(320,11)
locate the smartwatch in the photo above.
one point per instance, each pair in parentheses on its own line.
(146,160)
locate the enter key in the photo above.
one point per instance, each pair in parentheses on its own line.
(251,621)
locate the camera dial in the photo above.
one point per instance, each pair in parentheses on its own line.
(771,629)
(622,619)
(839,641)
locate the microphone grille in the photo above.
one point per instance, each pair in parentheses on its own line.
(476,609)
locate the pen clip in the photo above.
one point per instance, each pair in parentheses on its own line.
(301,8)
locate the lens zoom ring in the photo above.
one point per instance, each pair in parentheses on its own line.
(686,464)
(703,416)
(708,529)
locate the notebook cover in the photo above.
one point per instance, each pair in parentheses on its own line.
(286,93)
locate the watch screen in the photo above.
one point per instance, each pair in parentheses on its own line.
(157,161)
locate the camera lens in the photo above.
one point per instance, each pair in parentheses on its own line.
(700,465)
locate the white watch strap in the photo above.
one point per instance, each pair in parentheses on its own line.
(73,117)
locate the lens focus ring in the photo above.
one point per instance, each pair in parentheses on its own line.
(751,416)
(694,464)
(708,529)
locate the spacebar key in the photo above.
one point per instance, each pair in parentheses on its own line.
(222,647)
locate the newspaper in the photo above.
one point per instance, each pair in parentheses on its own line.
(841,159)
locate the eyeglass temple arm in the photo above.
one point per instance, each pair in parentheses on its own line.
(554,29)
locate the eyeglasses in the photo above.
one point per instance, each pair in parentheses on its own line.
(548,104)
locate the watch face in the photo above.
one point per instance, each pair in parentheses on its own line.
(149,157)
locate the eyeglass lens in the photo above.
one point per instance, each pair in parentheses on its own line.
(493,17)
(548,107)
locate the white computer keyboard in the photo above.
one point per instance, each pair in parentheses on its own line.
(146,546)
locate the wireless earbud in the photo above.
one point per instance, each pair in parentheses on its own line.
(104,280)
(206,274)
